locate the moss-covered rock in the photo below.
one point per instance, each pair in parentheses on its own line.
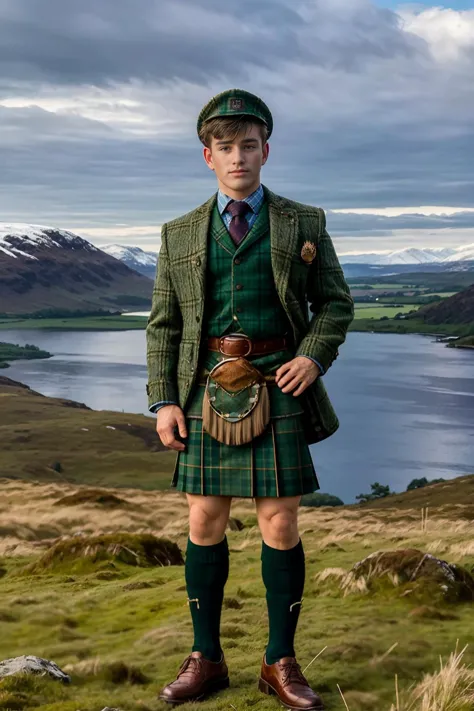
(94,497)
(419,574)
(86,554)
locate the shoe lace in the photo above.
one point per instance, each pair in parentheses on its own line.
(191,665)
(292,673)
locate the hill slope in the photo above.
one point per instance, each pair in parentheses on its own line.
(106,448)
(456,309)
(46,268)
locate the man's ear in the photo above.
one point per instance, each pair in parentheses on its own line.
(208,157)
(266,151)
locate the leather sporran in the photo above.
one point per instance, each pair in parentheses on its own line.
(236,404)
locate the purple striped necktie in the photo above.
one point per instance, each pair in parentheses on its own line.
(239,226)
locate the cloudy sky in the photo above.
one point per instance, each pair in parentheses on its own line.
(373,103)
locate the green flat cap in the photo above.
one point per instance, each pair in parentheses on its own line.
(236,102)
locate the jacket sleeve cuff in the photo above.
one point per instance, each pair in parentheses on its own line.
(321,369)
(315,348)
(158,405)
(160,391)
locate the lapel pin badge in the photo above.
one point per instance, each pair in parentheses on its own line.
(308,252)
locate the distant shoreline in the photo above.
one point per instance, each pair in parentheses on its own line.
(129,323)
(10,352)
(84,323)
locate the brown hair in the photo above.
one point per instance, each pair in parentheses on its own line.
(223,127)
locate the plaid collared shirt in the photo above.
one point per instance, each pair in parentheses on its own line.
(255,201)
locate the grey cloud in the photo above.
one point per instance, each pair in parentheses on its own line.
(364,116)
(88,42)
(381,225)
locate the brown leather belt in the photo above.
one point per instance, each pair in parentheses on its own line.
(244,346)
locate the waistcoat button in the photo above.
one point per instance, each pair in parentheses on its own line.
(239,287)
(237,260)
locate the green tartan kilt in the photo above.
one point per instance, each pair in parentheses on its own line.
(277,463)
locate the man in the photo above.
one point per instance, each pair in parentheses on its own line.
(235,370)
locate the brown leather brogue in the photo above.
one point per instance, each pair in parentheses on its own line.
(196,678)
(285,680)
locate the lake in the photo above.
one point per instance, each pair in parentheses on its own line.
(406,404)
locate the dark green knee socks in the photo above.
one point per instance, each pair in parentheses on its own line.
(206,573)
(283,576)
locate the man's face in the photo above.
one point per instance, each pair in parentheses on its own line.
(237,163)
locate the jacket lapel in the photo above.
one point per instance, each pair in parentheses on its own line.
(283,240)
(200,222)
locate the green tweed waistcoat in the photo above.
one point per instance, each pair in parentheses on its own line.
(242,298)
(241,290)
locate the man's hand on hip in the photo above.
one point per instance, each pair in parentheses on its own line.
(170,417)
(297,373)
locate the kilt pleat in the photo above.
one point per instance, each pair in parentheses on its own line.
(277,463)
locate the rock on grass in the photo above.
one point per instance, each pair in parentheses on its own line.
(418,572)
(88,553)
(29,664)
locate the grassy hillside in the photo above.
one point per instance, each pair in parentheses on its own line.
(467,342)
(50,439)
(453,497)
(120,630)
(458,309)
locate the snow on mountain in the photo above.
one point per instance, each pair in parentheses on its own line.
(20,240)
(134,257)
(462,254)
(412,256)
(123,253)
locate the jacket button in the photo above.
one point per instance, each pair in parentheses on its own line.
(239,287)
(198,261)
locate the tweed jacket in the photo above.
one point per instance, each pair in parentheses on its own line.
(174,329)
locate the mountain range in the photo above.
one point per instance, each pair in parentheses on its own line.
(355,265)
(45,268)
(145,262)
(413,256)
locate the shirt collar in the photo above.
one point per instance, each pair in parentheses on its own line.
(255,200)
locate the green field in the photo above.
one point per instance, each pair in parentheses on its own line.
(376,312)
(98,323)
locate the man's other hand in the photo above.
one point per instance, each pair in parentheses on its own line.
(167,419)
(299,372)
